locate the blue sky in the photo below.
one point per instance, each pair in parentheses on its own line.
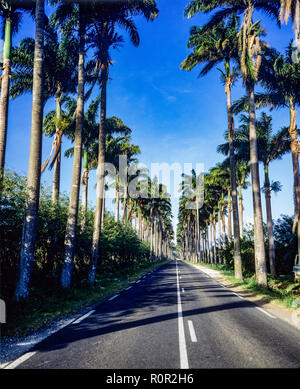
(175,116)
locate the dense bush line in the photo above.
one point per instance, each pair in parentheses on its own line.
(120,244)
(285,247)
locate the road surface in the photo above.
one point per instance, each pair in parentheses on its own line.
(175,317)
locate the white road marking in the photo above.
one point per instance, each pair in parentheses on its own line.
(192,331)
(20,360)
(113,297)
(129,287)
(83,317)
(265,312)
(182,290)
(184,364)
(238,296)
(138,281)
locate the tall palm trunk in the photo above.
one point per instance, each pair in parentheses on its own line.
(56,173)
(269,222)
(103,208)
(241,211)
(100,179)
(34,168)
(229,216)
(117,216)
(259,245)
(236,228)
(294,149)
(84,183)
(117,205)
(224,230)
(4,101)
(70,236)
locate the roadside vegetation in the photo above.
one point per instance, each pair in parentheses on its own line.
(234,40)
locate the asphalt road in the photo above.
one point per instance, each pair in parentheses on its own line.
(175,317)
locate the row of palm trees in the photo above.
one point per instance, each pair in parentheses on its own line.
(218,200)
(71,54)
(233,38)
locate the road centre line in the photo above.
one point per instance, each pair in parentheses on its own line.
(184,364)
(192,331)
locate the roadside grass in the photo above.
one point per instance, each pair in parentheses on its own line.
(44,307)
(282,289)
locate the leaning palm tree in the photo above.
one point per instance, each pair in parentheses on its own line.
(270,147)
(11,15)
(280,76)
(34,169)
(250,47)
(212,46)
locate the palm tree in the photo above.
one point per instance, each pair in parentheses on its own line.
(34,169)
(11,12)
(68,14)
(103,38)
(210,47)
(292,8)
(270,147)
(59,80)
(280,77)
(242,172)
(250,48)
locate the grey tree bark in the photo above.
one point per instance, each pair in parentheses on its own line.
(259,245)
(34,168)
(70,236)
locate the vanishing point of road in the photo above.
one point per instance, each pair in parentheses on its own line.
(174,317)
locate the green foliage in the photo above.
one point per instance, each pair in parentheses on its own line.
(285,247)
(120,245)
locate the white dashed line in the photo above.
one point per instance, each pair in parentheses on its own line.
(83,317)
(184,364)
(129,287)
(20,360)
(265,312)
(192,331)
(238,295)
(112,298)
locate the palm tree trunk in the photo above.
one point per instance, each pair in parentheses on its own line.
(100,180)
(224,230)
(229,207)
(103,207)
(294,149)
(56,173)
(4,97)
(269,222)
(34,168)
(259,244)
(70,236)
(117,205)
(241,211)
(236,228)
(214,237)
(84,183)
